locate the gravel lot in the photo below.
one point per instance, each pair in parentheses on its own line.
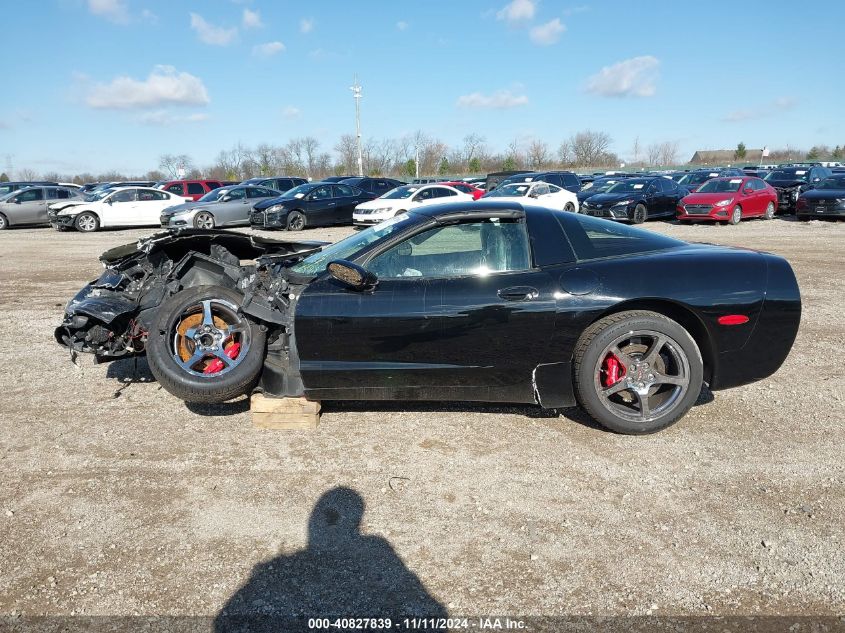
(117,498)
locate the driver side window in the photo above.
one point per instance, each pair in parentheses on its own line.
(457,250)
(127,195)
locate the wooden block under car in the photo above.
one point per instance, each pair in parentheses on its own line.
(284,414)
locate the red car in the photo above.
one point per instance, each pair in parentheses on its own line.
(193,189)
(729,200)
(464,187)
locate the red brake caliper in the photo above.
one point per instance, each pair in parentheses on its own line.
(231,350)
(612,369)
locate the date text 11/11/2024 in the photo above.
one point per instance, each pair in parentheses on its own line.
(418,624)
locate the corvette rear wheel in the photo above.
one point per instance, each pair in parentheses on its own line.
(736,215)
(202,348)
(640,214)
(637,372)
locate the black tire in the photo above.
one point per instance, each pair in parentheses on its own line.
(640,214)
(622,411)
(87,222)
(4,223)
(569,207)
(197,387)
(770,211)
(736,215)
(204,220)
(296,221)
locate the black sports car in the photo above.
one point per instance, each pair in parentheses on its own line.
(791,182)
(482,301)
(312,204)
(636,200)
(826,200)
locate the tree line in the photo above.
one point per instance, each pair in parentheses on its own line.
(421,153)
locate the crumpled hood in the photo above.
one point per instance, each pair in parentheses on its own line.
(66,205)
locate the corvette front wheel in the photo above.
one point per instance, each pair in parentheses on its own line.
(637,372)
(201,348)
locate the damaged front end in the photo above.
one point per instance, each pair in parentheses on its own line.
(111,316)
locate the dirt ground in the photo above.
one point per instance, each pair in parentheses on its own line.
(117,498)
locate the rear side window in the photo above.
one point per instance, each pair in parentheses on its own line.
(594,238)
(344,190)
(176,188)
(195,188)
(571,180)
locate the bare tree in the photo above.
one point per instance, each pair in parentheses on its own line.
(172,163)
(653,154)
(265,159)
(27,174)
(475,146)
(347,151)
(537,154)
(565,153)
(310,147)
(590,148)
(669,153)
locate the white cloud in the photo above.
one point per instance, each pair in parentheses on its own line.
(635,77)
(165,118)
(517,11)
(291,112)
(781,104)
(306,25)
(251,19)
(402,25)
(114,10)
(210,34)
(149,16)
(164,85)
(548,33)
(268,49)
(499,100)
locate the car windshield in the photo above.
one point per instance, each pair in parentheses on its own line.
(788,174)
(600,186)
(298,192)
(400,193)
(720,185)
(697,178)
(628,186)
(346,249)
(214,195)
(833,183)
(514,190)
(97,194)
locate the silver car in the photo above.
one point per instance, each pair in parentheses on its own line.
(29,206)
(226,206)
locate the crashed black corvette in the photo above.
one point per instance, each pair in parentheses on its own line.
(494,302)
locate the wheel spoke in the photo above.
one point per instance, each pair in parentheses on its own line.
(221,354)
(619,385)
(663,379)
(654,350)
(645,409)
(207,318)
(193,360)
(622,356)
(191,332)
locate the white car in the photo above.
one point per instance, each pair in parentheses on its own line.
(107,208)
(540,193)
(403,199)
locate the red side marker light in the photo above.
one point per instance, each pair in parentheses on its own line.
(732,319)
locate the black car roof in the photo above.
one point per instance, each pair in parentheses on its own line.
(475,209)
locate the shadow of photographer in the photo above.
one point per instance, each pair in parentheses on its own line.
(341,574)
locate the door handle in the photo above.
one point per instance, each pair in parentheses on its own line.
(331,204)
(518,293)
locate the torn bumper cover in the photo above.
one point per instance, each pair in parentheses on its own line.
(110,316)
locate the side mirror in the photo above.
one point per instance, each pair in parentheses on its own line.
(225,198)
(351,274)
(17,200)
(748,191)
(109,201)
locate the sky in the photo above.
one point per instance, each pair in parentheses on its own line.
(96,85)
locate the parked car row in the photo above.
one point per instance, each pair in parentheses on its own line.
(287,202)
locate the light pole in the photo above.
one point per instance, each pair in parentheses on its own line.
(356,93)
